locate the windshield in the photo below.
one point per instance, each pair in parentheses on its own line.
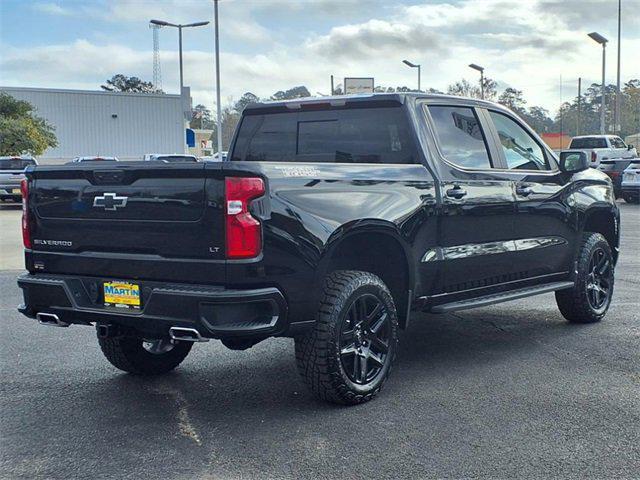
(588,142)
(15,163)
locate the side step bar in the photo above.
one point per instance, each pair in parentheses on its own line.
(500,297)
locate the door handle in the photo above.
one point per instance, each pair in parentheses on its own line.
(456,192)
(524,190)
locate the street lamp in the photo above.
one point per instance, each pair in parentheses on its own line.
(162,23)
(413,65)
(602,41)
(481,70)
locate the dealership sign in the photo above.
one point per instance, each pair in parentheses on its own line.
(358,85)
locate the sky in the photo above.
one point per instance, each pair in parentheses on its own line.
(537,46)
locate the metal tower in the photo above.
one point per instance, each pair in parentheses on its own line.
(157,72)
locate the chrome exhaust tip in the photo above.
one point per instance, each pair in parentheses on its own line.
(50,320)
(185,334)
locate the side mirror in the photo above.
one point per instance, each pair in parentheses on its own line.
(573,161)
(630,147)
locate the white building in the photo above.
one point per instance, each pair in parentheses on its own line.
(124,125)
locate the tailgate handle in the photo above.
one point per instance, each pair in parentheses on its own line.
(108,176)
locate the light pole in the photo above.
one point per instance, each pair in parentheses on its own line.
(162,23)
(602,41)
(219,107)
(481,70)
(413,65)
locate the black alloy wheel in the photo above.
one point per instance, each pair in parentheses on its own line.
(364,339)
(599,280)
(590,297)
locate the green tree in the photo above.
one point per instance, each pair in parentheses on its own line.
(245,100)
(201,118)
(295,92)
(538,119)
(122,83)
(464,88)
(513,100)
(21,130)
(230,120)
(630,108)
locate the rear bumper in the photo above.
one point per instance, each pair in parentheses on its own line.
(215,312)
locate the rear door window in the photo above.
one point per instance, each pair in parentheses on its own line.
(357,135)
(460,136)
(616,142)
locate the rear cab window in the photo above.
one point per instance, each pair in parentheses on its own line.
(175,159)
(588,142)
(15,163)
(378,135)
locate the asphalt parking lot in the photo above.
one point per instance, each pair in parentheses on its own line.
(505,391)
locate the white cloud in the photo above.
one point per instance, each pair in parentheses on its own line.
(51,8)
(527,45)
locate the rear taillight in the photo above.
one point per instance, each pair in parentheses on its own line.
(244,235)
(594,156)
(26,232)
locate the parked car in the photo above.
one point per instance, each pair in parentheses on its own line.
(11,176)
(631,182)
(94,159)
(613,169)
(332,221)
(216,157)
(603,147)
(170,158)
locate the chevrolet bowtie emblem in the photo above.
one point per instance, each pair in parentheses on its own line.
(109,201)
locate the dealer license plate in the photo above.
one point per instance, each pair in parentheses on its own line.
(122,295)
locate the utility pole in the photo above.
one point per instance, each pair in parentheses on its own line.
(616,121)
(219,107)
(579,105)
(332,85)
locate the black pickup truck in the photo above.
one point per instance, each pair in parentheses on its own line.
(332,221)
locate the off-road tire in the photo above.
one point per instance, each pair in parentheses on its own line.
(318,353)
(127,353)
(573,302)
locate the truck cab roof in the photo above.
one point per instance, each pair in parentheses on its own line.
(373,98)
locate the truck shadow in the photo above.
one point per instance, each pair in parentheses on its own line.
(250,407)
(216,380)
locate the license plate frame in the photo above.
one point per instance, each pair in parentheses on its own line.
(121,294)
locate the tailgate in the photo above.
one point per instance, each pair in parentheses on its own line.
(134,220)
